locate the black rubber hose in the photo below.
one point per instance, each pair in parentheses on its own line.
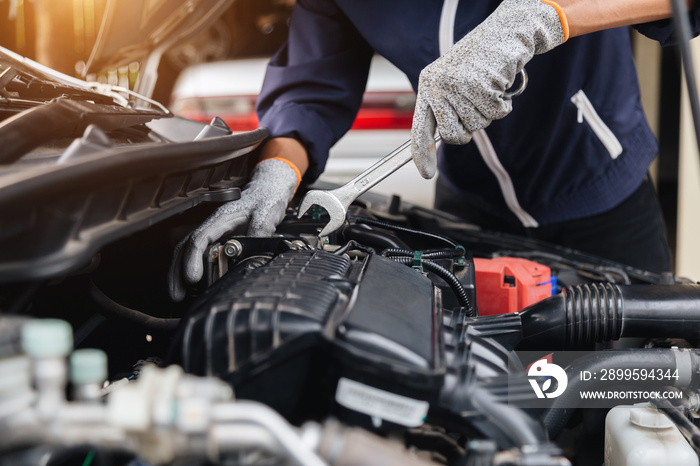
(392,226)
(355,245)
(446,275)
(521,428)
(507,425)
(586,314)
(112,308)
(373,238)
(556,417)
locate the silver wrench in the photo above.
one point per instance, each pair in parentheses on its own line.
(337,201)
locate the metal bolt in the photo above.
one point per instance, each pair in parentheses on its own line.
(233,248)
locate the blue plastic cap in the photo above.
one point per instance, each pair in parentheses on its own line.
(47,338)
(88,366)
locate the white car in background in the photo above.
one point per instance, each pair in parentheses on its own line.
(229,90)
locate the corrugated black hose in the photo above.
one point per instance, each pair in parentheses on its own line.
(443,273)
(585,314)
(439,254)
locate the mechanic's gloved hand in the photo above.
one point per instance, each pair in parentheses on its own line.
(261,207)
(463,91)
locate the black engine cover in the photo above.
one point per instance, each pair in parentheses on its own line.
(287,332)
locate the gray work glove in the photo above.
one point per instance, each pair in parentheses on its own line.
(464,90)
(261,207)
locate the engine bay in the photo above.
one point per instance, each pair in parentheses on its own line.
(369,346)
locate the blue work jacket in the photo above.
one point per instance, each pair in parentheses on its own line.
(576,144)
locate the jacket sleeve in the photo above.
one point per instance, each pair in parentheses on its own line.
(663,32)
(314,84)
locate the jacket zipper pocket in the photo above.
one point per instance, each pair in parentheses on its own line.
(488,153)
(587,112)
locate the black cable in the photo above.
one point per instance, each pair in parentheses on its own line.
(392,226)
(444,254)
(445,274)
(397,252)
(683,36)
(452,281)
(677,415)
(355,245)
(112,308)
(367,235)
(440,254)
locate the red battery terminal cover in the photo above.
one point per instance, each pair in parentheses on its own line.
(510,284)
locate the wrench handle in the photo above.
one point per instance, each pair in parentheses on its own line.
(383,168)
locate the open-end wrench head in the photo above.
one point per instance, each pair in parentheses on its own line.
(336,210)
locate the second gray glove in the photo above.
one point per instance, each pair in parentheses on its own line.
(261,207)
(464,90)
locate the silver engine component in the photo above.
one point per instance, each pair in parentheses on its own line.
(163,415)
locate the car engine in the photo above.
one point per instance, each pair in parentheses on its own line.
(366,347)
(406,337)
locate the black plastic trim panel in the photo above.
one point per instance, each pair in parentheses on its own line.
(55,217)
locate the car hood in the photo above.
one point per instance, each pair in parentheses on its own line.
(131,30)
(80,169)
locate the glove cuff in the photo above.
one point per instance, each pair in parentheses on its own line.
(536,24)
(562,17)
(291,165)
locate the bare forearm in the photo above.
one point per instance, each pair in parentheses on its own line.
(286,148)
(586,16)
